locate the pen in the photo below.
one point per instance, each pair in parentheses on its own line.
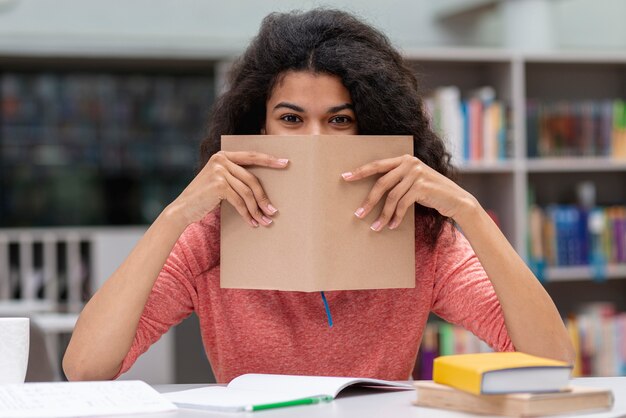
(303,401)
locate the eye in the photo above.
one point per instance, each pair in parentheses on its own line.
(341,120)
(291,118)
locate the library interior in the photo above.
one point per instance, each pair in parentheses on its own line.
(103,105)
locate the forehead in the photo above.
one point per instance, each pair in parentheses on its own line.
(309,87)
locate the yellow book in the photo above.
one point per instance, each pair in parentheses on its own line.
(498,373)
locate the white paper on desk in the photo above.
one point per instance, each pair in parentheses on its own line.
(85,399)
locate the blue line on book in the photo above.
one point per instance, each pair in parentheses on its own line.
(330,318)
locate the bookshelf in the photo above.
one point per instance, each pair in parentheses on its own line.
(87,142)
(517,78)
(576,78)
(501,185)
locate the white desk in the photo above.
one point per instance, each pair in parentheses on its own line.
(388,404)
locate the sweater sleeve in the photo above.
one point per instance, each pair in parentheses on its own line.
(174,296)
(463,294)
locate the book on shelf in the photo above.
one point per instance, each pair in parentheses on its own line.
(252,391)
(148,118)
(475,128)
(573,399)
(576,129)
(598,333)
(97,148)
(571,235)
(498,373)
(427,353)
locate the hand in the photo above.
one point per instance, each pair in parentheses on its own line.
(223,178)
(408,180)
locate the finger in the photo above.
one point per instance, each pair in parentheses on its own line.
(255,158)
(246,194)
(391,203)
(237,202)
(382,185)
(253,183)
(375,167)
(404,204)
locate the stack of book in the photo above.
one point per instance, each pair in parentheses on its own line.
(475,128)
(510,384)
(575,129)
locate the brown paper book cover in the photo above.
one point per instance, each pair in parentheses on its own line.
(316,242)
(575,399)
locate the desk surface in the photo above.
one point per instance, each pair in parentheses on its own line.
(387,404)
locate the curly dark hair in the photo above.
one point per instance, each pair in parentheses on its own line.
(383,88)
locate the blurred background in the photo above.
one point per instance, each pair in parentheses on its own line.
(103,105)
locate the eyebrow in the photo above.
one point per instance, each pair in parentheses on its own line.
(289,106)
(339,108)
(297,108)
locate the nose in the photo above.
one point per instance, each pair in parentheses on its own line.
(315,128)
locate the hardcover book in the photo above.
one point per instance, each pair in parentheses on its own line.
(498,373)
(573,399)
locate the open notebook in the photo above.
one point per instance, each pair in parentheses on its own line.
(249,390)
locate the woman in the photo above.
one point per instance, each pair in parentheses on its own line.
(319,72)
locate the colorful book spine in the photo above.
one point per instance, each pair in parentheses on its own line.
(428,352)
(567,235)
(619,129)
(576,129)
(601,341)
(475,128)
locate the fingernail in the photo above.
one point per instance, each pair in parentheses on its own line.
(272,209)
(359,212)
(283,161)
(393,224)
(254,223)
(375,226)
(266,220)
(346,175)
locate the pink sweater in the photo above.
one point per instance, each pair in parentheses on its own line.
(376,333)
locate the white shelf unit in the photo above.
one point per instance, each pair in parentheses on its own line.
(578,273)
(503,186)
(55,319)
(500,185)
(575,165)
(518,76)
(577,76)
